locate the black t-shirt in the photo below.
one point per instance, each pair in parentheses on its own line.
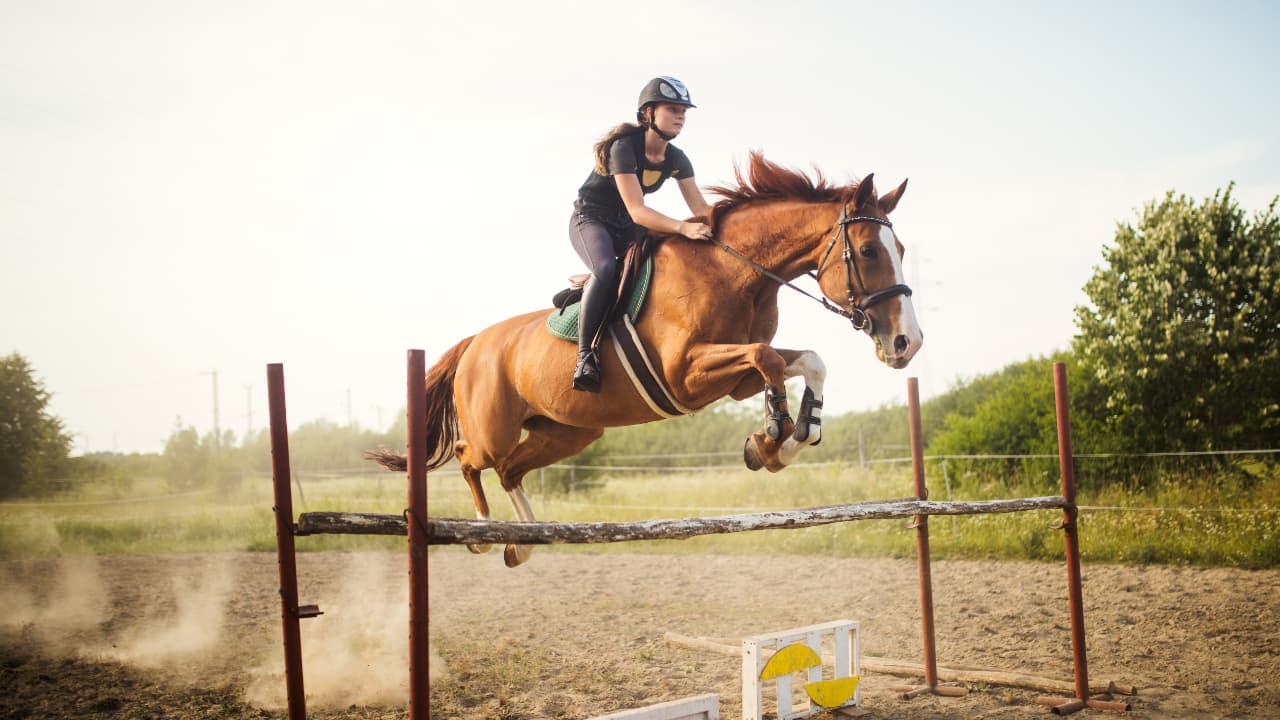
(599,198)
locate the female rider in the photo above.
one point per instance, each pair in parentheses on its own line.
(632,160)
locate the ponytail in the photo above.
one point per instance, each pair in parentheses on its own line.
(601,150)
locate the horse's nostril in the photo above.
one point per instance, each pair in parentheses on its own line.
(900,344)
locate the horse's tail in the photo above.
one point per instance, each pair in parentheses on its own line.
(442,415)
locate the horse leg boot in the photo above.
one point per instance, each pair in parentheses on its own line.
(596,300)
(777,425)
(808,429)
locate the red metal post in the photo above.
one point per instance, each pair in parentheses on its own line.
(280,475)
(1070,516)
(922,534)
(419,648)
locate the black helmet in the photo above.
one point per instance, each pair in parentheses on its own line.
(664,89)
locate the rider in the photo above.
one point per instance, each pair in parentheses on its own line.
(632,160)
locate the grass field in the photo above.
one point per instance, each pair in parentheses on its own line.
(1176,524)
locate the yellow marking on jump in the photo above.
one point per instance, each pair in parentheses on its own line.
(832,693)
(789,659)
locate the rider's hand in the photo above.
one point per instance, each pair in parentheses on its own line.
(695,230)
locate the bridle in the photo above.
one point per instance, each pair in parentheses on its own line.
(857,312)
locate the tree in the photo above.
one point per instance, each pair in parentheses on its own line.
(1184,329)
(187,460)
(33,443)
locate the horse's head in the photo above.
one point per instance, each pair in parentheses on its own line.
(861,271)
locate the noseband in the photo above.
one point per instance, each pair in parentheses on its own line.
(857,312)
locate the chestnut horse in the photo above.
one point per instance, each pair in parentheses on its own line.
(711,312)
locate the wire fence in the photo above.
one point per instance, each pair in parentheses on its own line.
(583,476)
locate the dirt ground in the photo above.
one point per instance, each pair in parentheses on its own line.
(573,635)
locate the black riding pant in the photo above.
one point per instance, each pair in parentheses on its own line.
(600,245)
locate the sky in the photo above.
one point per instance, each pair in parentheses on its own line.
(191,188)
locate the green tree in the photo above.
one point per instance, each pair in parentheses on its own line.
(1184,329)
(187,460)
(33,444)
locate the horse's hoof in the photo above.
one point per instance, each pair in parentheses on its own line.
(751,455)
(516,555)
(480,549)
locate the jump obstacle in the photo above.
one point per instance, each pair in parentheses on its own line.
(423,531)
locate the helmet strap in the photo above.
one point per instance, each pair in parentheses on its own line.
(648,121)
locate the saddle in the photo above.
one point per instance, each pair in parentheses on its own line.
(633,287)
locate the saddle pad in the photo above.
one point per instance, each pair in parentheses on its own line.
(564,323)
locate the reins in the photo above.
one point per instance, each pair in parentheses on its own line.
(856,315)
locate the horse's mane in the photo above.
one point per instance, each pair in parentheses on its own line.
(767,181)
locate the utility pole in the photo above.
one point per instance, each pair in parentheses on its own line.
(248,399)
(217,430)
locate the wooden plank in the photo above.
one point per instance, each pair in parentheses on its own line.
(698,707)
(752,691)
(454,531)
(902,668)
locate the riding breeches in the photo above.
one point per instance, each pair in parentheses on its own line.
(599,246)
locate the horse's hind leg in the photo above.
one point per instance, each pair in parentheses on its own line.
(545,442)
(472,476)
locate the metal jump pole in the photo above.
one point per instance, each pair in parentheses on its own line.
(286,557)
(1071,536)
(923,560)
(416,516)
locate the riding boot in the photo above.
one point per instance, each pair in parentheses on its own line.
(591,315)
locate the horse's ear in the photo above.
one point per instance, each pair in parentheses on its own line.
(866,193)
(888,202)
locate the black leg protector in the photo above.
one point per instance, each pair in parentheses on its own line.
(805,419)
(775,411)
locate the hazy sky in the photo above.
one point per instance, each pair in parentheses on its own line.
(196,186)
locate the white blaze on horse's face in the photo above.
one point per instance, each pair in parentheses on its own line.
(897,333)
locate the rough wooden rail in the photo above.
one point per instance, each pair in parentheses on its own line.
(905,668)
(453,531)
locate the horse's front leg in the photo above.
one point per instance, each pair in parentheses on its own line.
(747,369)
(808,422)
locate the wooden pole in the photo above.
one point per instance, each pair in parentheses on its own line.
(285,554)
(459,531)
(416,516)
(904,668)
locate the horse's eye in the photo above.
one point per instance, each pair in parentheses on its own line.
(868,251)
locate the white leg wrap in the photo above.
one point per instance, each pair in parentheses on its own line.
(480,549)
(809,366)
(518,554)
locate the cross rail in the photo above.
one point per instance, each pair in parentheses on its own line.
(455,531)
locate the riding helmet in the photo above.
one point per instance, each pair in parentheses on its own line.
(664,89)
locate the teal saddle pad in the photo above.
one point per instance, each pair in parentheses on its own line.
(563,323)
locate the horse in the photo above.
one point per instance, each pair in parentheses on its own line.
(706,326)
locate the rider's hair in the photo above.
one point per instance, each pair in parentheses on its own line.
(601,150)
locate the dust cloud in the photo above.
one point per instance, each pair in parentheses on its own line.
(184,620)
(191,628)
(357,652)
(60,615)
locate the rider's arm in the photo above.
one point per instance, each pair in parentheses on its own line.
(633,198)
(693,197)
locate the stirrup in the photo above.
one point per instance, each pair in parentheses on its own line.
(586,375)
